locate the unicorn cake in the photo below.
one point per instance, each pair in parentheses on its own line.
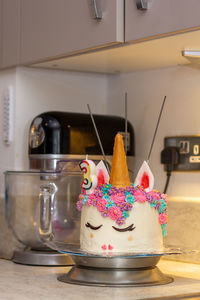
(117,215)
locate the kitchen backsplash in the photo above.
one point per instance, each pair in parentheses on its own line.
(37,91)
(146,90)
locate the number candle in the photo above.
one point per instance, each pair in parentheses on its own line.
(90,179)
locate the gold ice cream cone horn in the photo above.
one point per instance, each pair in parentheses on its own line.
(119,176)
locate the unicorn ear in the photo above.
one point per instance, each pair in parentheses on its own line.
(145,177)
(102,173)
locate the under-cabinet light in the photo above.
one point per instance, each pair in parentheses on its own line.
(193,56)
(191,53)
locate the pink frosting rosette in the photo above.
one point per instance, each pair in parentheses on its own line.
(163,218)
(155,195)
(91,197)
(139,196)
(101,204)
(118,198)
(114,213)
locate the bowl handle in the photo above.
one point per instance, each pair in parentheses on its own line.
(46,199)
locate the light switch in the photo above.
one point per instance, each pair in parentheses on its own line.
(196,149)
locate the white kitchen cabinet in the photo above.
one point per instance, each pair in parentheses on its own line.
(162,17)
(10,32)
(51,28)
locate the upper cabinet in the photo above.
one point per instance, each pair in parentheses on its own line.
(10,23)
(145,19)
(55,33)
(176,21)
(52,28)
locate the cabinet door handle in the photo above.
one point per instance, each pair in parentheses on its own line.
(96,10)
(142,4)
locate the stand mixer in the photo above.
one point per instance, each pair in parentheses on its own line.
(58,141)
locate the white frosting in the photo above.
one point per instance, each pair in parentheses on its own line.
(145,238)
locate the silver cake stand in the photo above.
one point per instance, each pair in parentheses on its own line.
(119,270)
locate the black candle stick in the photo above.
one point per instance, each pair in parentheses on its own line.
(99,140)
(155,132)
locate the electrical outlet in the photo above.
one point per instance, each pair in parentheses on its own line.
(189,151)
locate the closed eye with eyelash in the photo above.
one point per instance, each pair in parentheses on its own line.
(129,228)
(93,227)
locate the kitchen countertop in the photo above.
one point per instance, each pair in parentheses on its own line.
(35,282)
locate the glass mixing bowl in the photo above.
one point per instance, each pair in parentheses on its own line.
(39,206)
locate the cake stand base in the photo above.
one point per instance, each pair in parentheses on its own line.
(115,271)
(115,277)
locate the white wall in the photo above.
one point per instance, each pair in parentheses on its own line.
(42,90)
(37,91)
(181,116)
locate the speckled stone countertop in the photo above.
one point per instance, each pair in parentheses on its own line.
(29,282)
